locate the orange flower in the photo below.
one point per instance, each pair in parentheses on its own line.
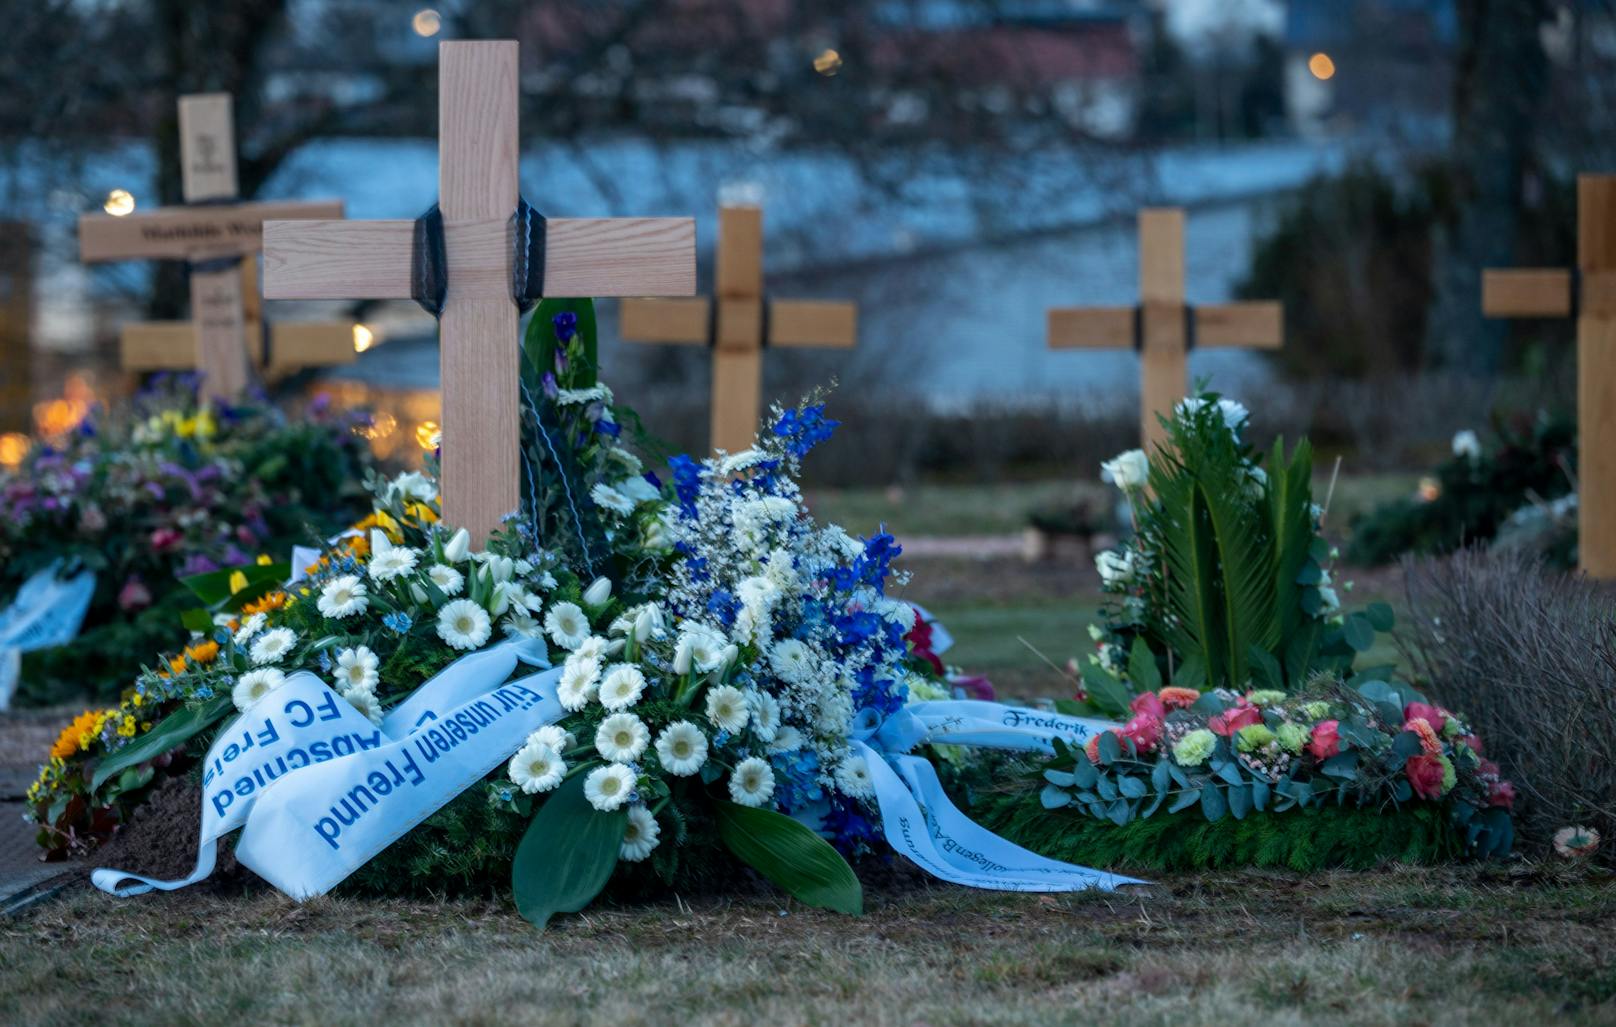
(359,546)
(203,652)
(1422,729)
(177,664)
(1176,698)
(267,602)
(78,734)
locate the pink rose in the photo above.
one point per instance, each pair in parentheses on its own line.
(134,596)
(1144,731)
(1425,774)
(1234,718)
(973,686)
(1473,741)
(1326,740)
(1435,716)
(1148,702)
(1501,793)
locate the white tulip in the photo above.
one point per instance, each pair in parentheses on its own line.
(1127,471)
(598,592)
(458,547)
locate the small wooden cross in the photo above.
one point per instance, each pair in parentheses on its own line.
(1163,328)
(1587,293)
(478,337)
(291,345)
(208,232)
(739,331)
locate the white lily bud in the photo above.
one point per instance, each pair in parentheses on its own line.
(418,592)
(648,622)
(458,547)
(598,592)
(682,655)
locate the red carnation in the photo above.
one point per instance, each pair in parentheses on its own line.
(1148,702)
(1425,774)
(1501,793)
(1144,731)
(919,638)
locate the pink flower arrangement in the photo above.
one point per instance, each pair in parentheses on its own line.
(1435,716)
(1144,731)
(1326,740)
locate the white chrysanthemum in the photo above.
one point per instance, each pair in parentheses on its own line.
(1115,568)
(757,592)
(254,685)
(682,748)
(537,767)
(365,701)
(900,613)
(343,597)
(740,461)
(622,738)
(700,648)
(464,625)
(388,561)
(622,686)
(609,787)
(273,645)
(792,660)
(853,777)
(567,625)
(834,718)
(250,627)
(356,668)
(594,647)
(726,707)
(765,716)
(782,571)
(624,459)
(752,783)
(579,675)
(640,835)
(787,739)
(609,498)
(553,735)
(841,542)
(448,580)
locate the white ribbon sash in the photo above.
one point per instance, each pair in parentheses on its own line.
(47,610)
(921,823)
(320,790)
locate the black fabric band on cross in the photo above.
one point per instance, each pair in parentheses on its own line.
(209,265)
(529,235)
(763,318)
(266,348)
(1139,327)
(429,263)
(1576,291)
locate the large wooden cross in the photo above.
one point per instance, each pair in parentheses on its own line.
(274,350)
(16,324)
(1587,293)
(1163,328)
(745,321)
(211,230)
(478,338)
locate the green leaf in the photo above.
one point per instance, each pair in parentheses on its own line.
(1060,778)
(1239,801)
(1184,800)
(1344,764)
(1131,787)
(1054,798)
(539,345)
(170,732)
(197,619)
(1381,616)
(1359,633)
(1083,773)
(1106,692)
(1142,670)
(1110,748)
(566,855)
(213,588)
(1071,708)
(1265,671)
(1213,805)
(789,854)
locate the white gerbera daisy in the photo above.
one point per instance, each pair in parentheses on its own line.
(343,597)
(787,739)
(792,660)
(579,675)
(609,787)
(537,767)
(622,686)
(752,783)
(682,748)
(765,715)
(463,624)
(250,627)
(567,625)
(639,490)
(273,645)
(609,498)
(448,580)
(593,647)
(640,836)
(853,777)
(365,701)
(388,561)
(554,736)
(356,668)
(520,625)
(254,685)
(726,707)
(622,738)
(699,647)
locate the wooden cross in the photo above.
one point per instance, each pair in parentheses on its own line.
(745,322)
(478,337)
(1163,328)
(16,321)
(208,232)
(291,345)
(1587,293)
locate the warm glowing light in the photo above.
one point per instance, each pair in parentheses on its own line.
(1322,67)
(13,447)
(1430,490)
(828,63)
(54,418)
(426,22)
(363,338)
(119,202)
(428,435)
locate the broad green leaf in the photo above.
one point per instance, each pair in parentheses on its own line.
(1131,787)
(789,854)
(1142,669)
(1265,671)
(197,619)
(1381,616)
(1184,800)
(1060,778)
(213,588)
(1358,632)
(1213,805)
(1083,773)
(170,732)
(1054,798)
(1110,748)
(567,854)
(1071,708)
(1239,797)
(1106,692)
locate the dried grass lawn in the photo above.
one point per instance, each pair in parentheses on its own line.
(1455,946)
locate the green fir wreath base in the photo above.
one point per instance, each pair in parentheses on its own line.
(1305,840)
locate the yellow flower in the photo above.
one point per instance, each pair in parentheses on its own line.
(422,513)
(264,560)
(202,653)
(127,728)
(177,664)
(266,602)
(238,582)
(78,735)
(136,701)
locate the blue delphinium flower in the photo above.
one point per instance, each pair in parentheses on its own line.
(566,325)
(398,622)
(686,482)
